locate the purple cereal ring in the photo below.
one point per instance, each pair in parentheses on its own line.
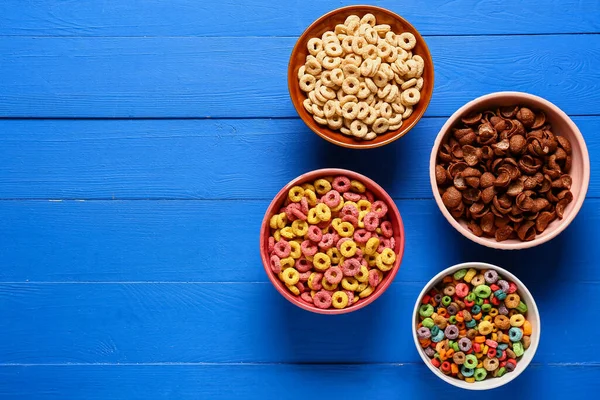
(334,275)
(464,344)
(304,205)
(349,209)
(314,233)
(451,332)
(374,278)
(331,198)
(275,264)
(326,241)
(429,352)
(271,244)
(308,248)
(502,309)
(371,221)
(322,299)
(503,285)
(307,297)
(350,218)
(352,196)
(350,295)
(341,184)
(361,236)
(423,333)
(370,197)
(386,229)
(490,276)
(282,249)
(351,266)
(303,265)
(304,276)
(379,208)
(316,282)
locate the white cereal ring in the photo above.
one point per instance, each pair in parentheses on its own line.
(334,49)
(318,93)
(393,55)
(352,27)
(351,71)
(335,122)
(363,110)
(341,28)
(402,68)
(371,117)
(319,120)
(353,59)
(387,70)
(420,64)
(331,108)
(331,62)
(398,108)
(301,71)
(345,131)
(398,80)
(307,82)
(407,40)
(384,49)
(328,34)
(370,136)
(347,99)
(363,91)
(409,83)
(358,44)
(350,110)
(410,97)
(350,85)
(402,54)
(370,51)
(317,111)
(384,91)
(368,19)
(351,18)
(313,67)
(347,43)
(381,80)
(320,56)
(385,110)
(413,68)
(315,45)
(371,85)
(391,38)
(371,35)
(337,76)
(395,120)
(380,125)
(326,79)
(419,84)
(313,98)
(394,127)
(327,92)
(371,100)
(392,95)
(307,105)
(407,113)
(362,29)
(359,129)
(382,29)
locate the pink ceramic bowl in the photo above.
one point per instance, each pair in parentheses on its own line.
(561,125)
(379,193)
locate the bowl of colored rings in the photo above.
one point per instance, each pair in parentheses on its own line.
(476,326)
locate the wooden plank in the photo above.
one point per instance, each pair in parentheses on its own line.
(273,382)
(247,18)
(57,323)
(246,77)
(208,241)
(205,159)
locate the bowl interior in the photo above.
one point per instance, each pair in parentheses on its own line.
(328,22)
(532,315)
(562,125)
(379,193)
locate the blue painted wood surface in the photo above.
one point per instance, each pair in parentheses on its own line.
(129,265)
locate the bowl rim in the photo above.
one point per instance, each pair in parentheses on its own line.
(391,208)
(578,201)
(532,313)
(291,78)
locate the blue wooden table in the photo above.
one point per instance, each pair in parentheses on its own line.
(140,144)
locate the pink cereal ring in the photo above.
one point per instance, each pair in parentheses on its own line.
(334,275)
(374,278)
(352,196)
(326,241)
(316,282)
(298,214)
(304,276)
(351,266)
(314,233)
(350,218)
(461,289)
(271,245)
(322,299)
(300,286)
(383,244)
(371,221)
(308,248)
(350,297)
(349,210)
(341,184)
(304,205)
(386,229)
(379,208)
(282,249)
(289,211)
(275,264)
(307,297)
(324,224)
(359,254)
(303,265)
(361,236)
(331,198)
(370,197)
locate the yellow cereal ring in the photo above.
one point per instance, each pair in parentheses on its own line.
(381,265)
(293,289)
(366,292)
(281,220)
(299,227)
(273,222)
(327,285)
(290,276)
(339,206)
(348,248)
(287,232)
(371,246)
(312,293)
(362,275)
(308,186)
(277,235)
(349,283)
(334,255)
(322,186)
(364,205)
(517,320)
(388,256)
(321,262)
(311,197)
(311,217)
(296,252)
(287,262)
(371,259)
(357,186)
(470,275)
(295,194)
(351,203)
(336,222)
(339,299)
(323,212)
(361,218)
(345,229)
(362,286)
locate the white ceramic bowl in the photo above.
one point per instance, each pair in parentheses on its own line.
(533,316)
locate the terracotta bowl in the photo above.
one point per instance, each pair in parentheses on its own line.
(328,22)
(533,316)
(562,125)
(379,193)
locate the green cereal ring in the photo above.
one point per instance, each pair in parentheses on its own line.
(501,372)
(446,300)
(480,374)
(479,301)
(470,361)
(455,346)
(486,308)
(458,275)
(452,319)
(522,307)
(482,291)
(518,349)
(428,322)
(426,310)
(471,297)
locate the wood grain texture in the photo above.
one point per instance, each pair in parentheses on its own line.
(217,241)
(246,77)
(391,382)
(288,18)
(205,159)
(245,322)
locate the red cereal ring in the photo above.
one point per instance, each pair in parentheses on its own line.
(304,205)
(379,208)
(350,218)
(271,245)
(282,249)
(327,241)
(308,248)
(304,276)
(349,209)
(371,221)
(351,196)
(331,198)
(314,233)
(322,299)
(303,265)
(370,197)
(386,229)
(512,288)
(334,275)
(341,184)
(307,297)
(275,264)
(361,236)
(351,266)
(316,282)
(374,278)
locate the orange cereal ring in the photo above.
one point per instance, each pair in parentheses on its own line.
(527,328)
(512,300)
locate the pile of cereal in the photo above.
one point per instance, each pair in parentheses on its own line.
(474,326)
(332,242)
(362,78)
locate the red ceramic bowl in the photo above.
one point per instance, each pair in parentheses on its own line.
(379,193)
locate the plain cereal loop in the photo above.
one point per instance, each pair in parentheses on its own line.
(350,71)
(307,82)
(359,129)
(368,19)
(331,62)
(315,45)
(407,41)
(350,110)
(351,85)
(380,125)
(313,67)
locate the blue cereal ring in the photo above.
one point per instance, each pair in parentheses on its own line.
(475,309)
(438,338)
(471,324)
(467,372)
(515,334)
(500,294)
